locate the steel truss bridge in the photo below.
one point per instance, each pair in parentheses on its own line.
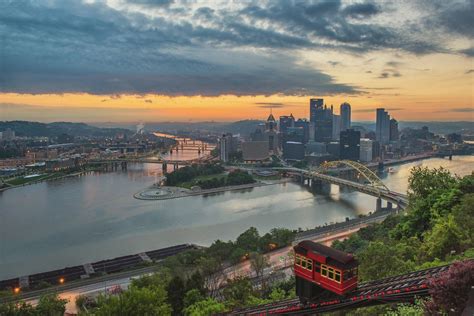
(397,289)
(372,186)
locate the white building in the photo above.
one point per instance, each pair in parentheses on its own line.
(365,150)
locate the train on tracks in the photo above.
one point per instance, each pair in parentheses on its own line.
(326,280)
(320,268)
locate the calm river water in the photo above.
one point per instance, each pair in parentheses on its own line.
(91,217)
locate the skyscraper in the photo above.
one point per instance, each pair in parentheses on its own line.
(286,122)
(321,117)
(314,104)
(394,130)
(350,144)
(345,112)
(303,123)
(382,128)
(336,126)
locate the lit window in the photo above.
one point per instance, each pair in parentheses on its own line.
(331,273)
(324,271)
(298,260)
(303,263)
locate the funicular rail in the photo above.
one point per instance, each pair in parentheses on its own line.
(401,288)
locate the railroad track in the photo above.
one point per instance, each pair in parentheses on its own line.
(399,288)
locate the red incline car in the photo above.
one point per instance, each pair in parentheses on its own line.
(319,268)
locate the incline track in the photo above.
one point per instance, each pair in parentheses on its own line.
(399,288)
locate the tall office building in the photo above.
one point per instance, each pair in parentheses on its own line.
(336,126)
(382,128)
(228,144)
(345,116)
(394,130)
(286,122)
(366,146)
(321,117)
(350,145)
(314,104)
(305,125)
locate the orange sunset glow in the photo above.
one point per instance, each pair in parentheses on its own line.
(422,75)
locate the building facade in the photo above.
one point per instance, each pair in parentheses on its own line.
(350,145)
(382,128)
(345,111)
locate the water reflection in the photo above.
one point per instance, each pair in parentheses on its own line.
(94,216)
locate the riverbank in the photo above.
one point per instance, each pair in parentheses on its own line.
(167,193)
(46,177)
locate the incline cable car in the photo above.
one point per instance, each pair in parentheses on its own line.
(319,268)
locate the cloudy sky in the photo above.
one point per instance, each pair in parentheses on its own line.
(160,60)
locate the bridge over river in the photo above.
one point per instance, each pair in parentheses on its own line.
(320,181)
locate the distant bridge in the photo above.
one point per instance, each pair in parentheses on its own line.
(372,186)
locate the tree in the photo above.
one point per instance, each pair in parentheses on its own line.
(424,181)
(450,290)
(443,238)
(196,282)
(176,292)
(212,272)
(249,239)
(192,297)
(463,215)
(258,263)
(380,260)
(204,308)
(135,301)
(238,291)
(51,305)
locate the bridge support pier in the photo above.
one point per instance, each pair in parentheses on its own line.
(164,168)
(175,167)
(378,206)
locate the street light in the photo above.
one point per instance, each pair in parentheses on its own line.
(61,280)
(16,290)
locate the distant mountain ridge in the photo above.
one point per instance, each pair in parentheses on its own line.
(31,129)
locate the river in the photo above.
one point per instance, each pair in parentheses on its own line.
(94,216)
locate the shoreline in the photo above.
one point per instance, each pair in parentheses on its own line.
(69,175)
(168,193)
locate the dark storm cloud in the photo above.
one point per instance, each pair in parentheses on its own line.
(361,10)
(328,20)
(71,46)
(468,52)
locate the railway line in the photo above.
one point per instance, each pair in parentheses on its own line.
(401,288)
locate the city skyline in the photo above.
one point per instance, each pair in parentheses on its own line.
(124,60)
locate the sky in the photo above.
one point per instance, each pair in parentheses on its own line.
(165,60)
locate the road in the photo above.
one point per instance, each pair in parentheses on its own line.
(278,259)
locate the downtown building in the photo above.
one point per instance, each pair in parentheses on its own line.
(350,145)
(322,118)
(345,112)
(382,127)
(228,144)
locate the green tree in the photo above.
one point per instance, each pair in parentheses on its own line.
(258,263)
(135,301)
(176,292)
(443,238)
(192,297)
(205,308)
(463,217)
(196,282)
(380,260)
(238,291)
(51,305)
(249,239)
